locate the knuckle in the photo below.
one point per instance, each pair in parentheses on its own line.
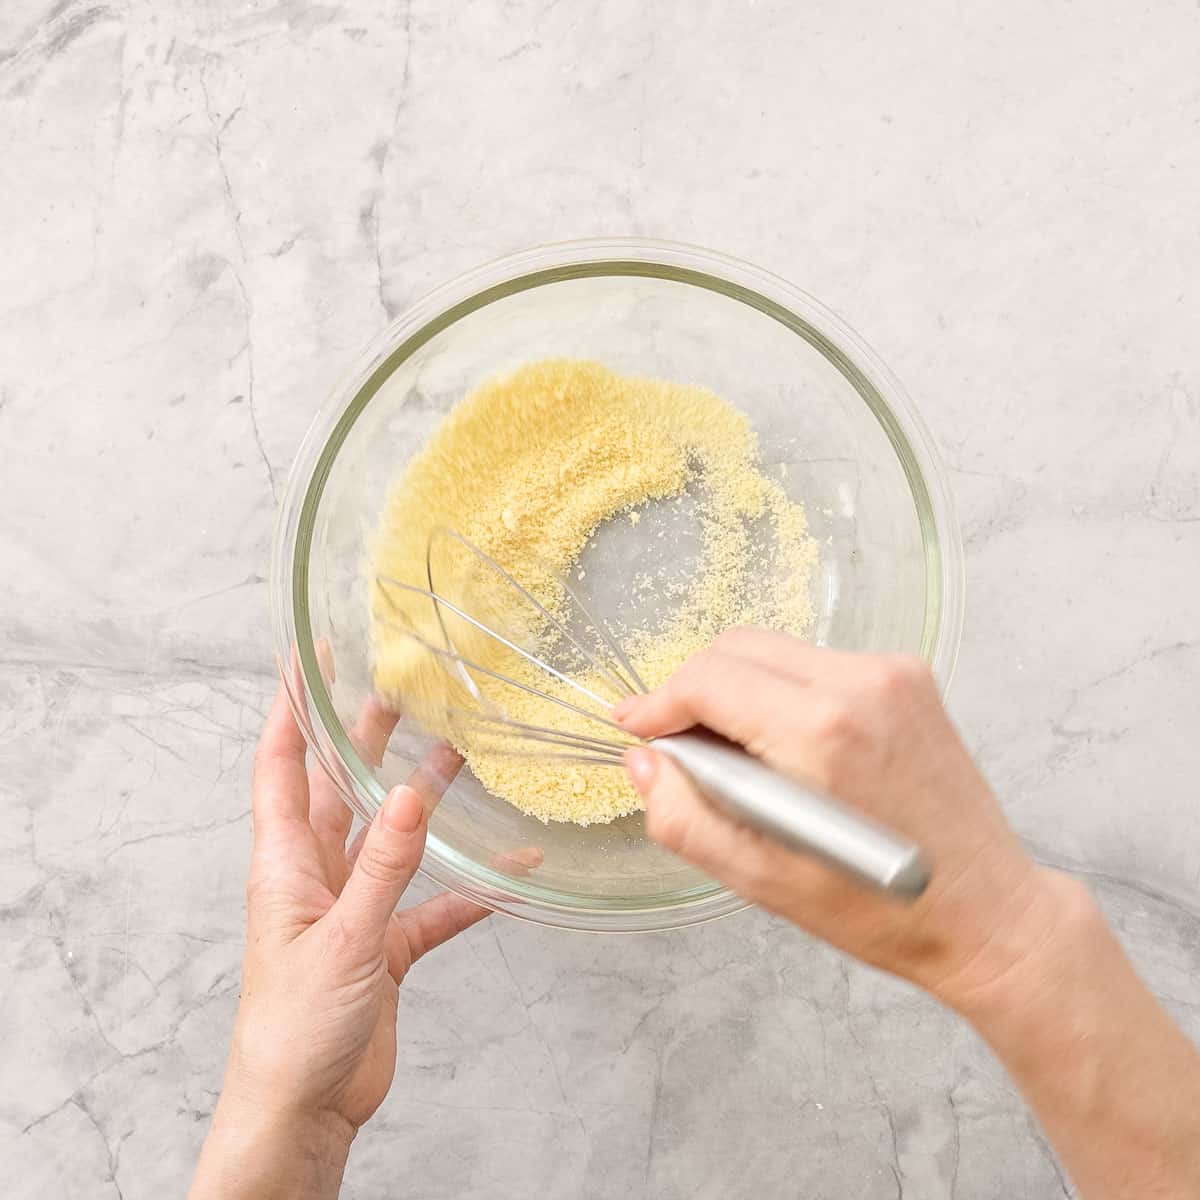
(902,675)
(721,671)
(834,722)
(687,685)
(377,864)
(690,676)
(758,872)
(667,827)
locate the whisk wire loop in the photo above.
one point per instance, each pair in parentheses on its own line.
(454,656)
(623,685)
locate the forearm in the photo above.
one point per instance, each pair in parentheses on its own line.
(1113,1081)
(253,1154)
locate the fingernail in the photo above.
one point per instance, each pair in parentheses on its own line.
(402,810)
(642,766)
(622,710)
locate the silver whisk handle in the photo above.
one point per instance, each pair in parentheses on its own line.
(797,816)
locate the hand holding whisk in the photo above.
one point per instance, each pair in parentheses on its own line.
(583,673)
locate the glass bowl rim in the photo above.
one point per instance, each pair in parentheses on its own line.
(736,280)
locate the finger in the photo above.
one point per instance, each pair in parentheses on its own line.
(846,673)
(325,662)
(784,653)
(741,700)
(427,925)
(435,773)
(355,847)
(680,820)
(280,794)
(390,855)
(371,731)
(520,861)
(330,814)
(432,776)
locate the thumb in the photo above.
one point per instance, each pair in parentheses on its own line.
(390,855)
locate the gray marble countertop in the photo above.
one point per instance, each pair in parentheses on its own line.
(207,209)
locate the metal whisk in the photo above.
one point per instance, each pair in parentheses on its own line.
(736,783)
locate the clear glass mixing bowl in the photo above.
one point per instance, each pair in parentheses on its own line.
(830,418)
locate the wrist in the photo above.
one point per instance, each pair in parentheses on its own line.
(1021,969)
(277,1089)
(327,1135)
(259,1149)
(1109,1076)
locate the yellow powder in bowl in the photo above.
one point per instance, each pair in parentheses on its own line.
(529,467)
